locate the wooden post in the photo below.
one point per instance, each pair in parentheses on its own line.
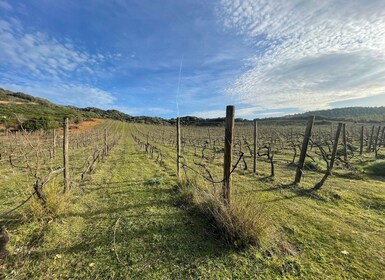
(344,142)
(335,146)
(255,146)
(65,155)
(362,140)
(382,141)
(178,147)
(371,140)
(228,156)
(105,142)
(302,156)
(377,137)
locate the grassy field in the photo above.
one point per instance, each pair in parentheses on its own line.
(130,223)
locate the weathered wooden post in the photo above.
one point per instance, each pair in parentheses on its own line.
(335,146)
(371,140)
(178,147)
(228,156)
(255,146)
(65,155)
(362,140)
(344,142)
(305,144)
(376,139)
(382,141)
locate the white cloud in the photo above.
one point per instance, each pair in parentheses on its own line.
(42,55)
(68,94)
(248,113)
(4,5)
(308,53)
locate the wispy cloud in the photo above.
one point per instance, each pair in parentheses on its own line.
(248,113)
(4,5)
(68,94)
(36,63)
(42,55)
(308,53)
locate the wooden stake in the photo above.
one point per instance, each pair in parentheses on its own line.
(371,140)
(228,156)
(335,146)
(377,137)
(362,140)
(305,144)
(344,142)
(65,155)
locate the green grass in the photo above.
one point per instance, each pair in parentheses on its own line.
(131,224)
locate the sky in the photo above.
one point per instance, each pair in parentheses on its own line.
(172,58)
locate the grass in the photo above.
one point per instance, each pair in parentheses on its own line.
(130,224)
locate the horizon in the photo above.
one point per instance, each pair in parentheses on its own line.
(192,58)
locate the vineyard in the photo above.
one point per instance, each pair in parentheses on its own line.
(120,200)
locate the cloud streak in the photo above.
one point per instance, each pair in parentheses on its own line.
(308,53)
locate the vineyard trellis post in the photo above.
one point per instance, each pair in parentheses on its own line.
(362,140)
(377,137)
(228,155)
(335,146)
(65,155)
(382,139)
(371,140)
(255,146)
(305,144)
(178,147)
(344,142)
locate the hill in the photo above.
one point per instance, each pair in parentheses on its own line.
(354,114)
(34,112)
(18,107)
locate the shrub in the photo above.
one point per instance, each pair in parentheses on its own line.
(376,168)
(36,124)
(241,224)
(316,165)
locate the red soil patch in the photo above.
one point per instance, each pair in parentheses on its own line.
(85,125)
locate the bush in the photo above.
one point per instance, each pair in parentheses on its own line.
(376,168)
(239,225)
(316,165)
(36,124)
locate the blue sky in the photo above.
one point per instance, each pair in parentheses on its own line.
(268,58)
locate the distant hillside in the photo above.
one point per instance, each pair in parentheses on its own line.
(354,114)
(18,107)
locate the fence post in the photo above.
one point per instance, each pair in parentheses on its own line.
(362,140)
(178,147)
(65,155)
(255,147)
(228,156)
(344,142)
(376,139)
(382,139)
(335,146)
(371,140)
(302,156)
